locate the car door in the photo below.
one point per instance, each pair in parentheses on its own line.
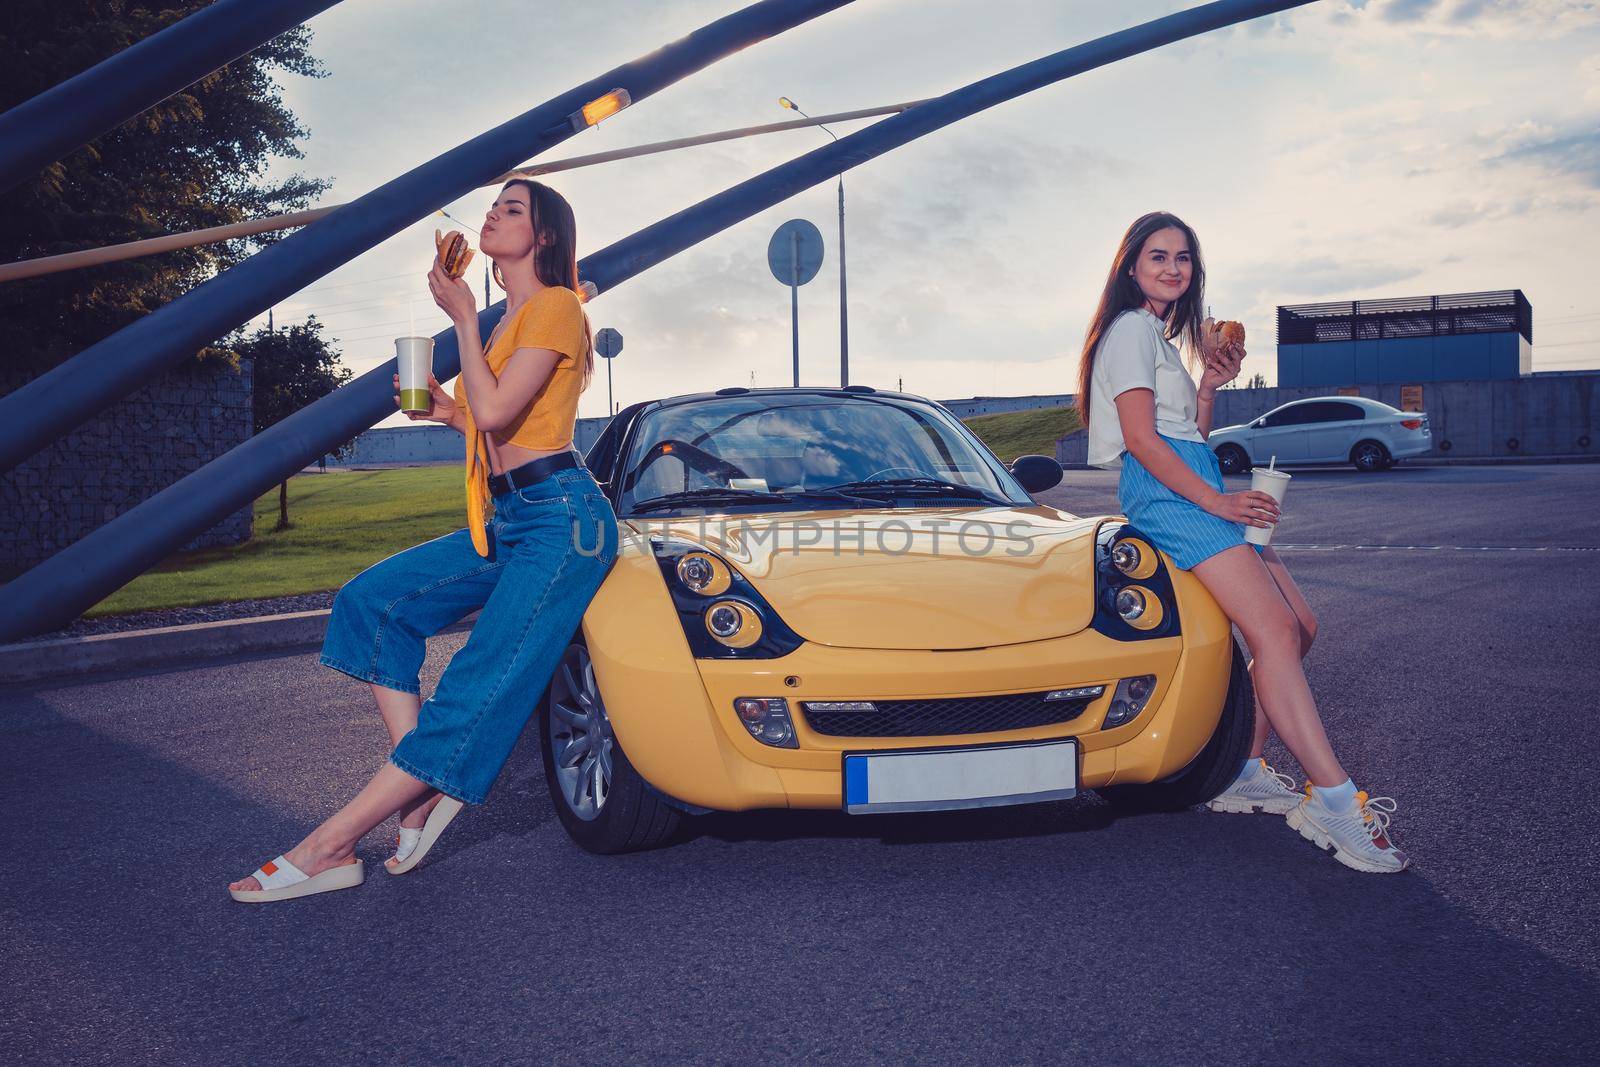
(1280,433)
(1332,429)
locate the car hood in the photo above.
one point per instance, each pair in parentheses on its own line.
(1235,428)
(926,578)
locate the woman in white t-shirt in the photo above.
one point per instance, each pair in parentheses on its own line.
(1145,416)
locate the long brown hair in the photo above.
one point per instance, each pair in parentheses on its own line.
(557,262)
(1122,292)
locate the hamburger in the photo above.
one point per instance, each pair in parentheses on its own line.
(1214,335)
(454,252)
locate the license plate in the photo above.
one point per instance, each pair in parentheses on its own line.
(939,779)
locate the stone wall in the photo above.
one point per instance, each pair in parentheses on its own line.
(121,457)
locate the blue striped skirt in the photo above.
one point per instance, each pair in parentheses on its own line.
(1178,526)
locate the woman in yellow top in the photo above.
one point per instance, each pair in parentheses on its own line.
(532,565)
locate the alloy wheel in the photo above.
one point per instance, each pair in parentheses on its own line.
(581,742)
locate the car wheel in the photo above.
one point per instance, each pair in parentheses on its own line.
(1232,459)
(1214,768)
(602,802)
(1369,456)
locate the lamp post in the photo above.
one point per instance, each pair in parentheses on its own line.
(844,306)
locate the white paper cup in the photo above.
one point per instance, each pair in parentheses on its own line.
(415,356)
(1274,483)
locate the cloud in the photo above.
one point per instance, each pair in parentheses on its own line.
(1338,150)
(1466,18)
(1575,155)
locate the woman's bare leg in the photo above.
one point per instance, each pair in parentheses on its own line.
(334,842)
(1248,595)
(400,710)
(1308,633)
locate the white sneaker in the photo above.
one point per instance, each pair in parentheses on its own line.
(1258,788)
(1359,835)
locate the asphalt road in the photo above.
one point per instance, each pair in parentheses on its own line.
(1458,673)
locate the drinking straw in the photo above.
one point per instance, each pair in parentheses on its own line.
(1273,464)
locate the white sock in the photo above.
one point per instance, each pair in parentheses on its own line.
(1336,797)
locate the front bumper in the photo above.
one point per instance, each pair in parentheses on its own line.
(673,715)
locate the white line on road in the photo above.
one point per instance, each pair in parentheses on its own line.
(1442,548)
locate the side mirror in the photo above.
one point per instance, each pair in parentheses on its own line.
(1036,473)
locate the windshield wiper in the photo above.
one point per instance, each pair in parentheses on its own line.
(906,486)
(708,495)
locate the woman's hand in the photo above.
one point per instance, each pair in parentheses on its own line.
(1249,508)
(444,405)
(1222,367)
(453,295)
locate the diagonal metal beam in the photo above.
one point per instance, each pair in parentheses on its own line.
(61,588)
(40,131)
(100,375)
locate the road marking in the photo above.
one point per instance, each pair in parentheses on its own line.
(1441,548)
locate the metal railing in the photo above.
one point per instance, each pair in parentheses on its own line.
(1501,311)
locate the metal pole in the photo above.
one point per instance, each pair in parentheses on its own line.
(794,299)
(844,303)
(101,375)
(40,131)
(611,404)
(149,246)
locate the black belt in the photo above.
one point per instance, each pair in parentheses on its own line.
(533,471)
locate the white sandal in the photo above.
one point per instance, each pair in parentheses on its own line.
(406,844)
(282,880)
(404,857)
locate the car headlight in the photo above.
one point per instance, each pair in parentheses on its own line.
(1133,592)
(767,719)
(722,615)
(1129,700)
(733,623)
(1139,607)
(703,573)
(1134,557)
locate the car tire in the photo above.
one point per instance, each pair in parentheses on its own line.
(624,814)
(1370,456)
(1214,768)
(1232,459)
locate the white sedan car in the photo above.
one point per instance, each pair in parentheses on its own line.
(1322,430)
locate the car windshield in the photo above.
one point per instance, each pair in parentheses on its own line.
(805,450)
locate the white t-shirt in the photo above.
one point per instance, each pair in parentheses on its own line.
(1134,354)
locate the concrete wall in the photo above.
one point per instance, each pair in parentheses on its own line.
(427,444)
(121,457)
(1540,415)
(431,444)
(1533,416)
(992,405)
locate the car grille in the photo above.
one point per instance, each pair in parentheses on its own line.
(961,715)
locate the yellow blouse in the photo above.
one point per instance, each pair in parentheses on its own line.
(552,318)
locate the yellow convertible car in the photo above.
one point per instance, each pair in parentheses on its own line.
(840,598)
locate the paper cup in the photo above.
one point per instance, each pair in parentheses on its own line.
(415,356)
(1274,484)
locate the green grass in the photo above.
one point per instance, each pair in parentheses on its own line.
(345,521)
(340,523)
(1022,433)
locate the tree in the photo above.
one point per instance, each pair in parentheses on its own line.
(293,367)
(1257,381)
(194,160)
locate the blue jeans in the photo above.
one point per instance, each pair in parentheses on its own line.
(550,546)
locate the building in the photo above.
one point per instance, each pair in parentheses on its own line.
(1459,337)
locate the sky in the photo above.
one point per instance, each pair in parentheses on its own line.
(1343,150)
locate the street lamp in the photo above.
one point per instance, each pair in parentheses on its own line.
(844,307)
